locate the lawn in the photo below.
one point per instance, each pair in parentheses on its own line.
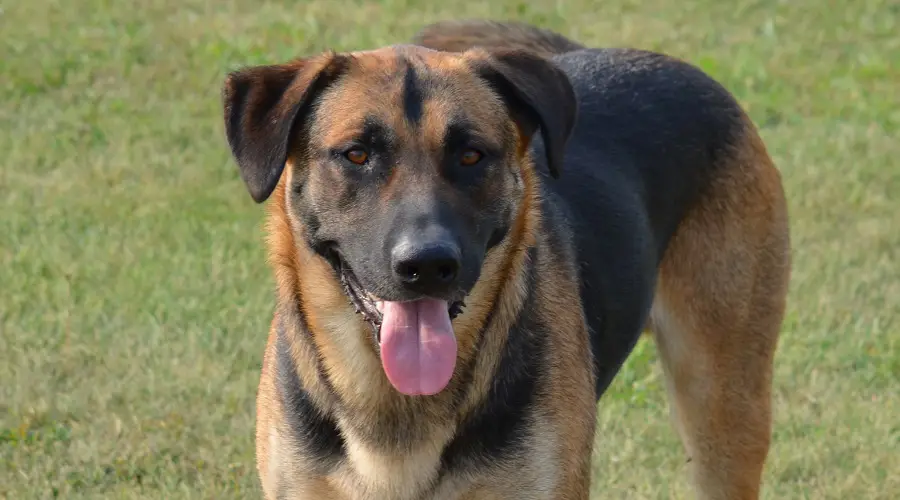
(135,298)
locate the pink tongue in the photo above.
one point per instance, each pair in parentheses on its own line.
(418,348)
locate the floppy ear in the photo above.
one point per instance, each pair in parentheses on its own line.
(536,92)
(262,106)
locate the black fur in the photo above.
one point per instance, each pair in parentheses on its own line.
(650,134)
(413,95)
(311,428)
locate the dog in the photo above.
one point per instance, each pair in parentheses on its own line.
(470,232)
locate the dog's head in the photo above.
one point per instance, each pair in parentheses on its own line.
(406,170)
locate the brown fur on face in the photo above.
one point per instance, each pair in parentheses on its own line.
(404,109)
(413,112)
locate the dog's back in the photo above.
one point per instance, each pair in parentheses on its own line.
(457,36)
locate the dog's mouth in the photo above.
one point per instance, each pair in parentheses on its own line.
(367,304)
(415,338)
(364,302)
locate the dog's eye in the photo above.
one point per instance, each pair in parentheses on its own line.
(357,156)
(470,157)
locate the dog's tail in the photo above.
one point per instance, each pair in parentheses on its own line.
(458,36)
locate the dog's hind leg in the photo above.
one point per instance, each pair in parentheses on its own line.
(716,318)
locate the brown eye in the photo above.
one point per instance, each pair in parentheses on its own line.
(470,157)
(357,156)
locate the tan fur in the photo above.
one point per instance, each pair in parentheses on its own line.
(716,317)
(570,397)
(268,411)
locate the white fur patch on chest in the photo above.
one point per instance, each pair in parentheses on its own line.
(373,475)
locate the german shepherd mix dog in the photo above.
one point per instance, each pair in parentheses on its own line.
(456,290)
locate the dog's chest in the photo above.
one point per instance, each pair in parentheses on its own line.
(408,482)
(369,474)
(379,475)
(366,475)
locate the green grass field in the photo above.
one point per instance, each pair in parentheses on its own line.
(136,299)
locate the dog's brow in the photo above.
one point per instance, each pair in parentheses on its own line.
(457,132)
(460,132)
(375,130)
(370,129)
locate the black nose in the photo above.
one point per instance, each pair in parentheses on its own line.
(429,268)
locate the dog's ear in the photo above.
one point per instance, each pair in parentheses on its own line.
(262,105)
(536,92)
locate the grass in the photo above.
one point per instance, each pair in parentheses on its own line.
(135,295)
